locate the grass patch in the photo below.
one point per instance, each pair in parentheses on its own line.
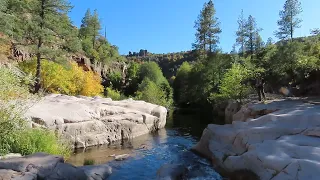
(87,162)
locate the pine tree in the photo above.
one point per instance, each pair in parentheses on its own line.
(89,33)
(207,27)
(251,33)
(288,19)
(45,29)
(213,27)
(84,29)
(269,41)
(241,33)
(96,26)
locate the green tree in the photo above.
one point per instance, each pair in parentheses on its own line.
(241,33)
(232,86)
(252,33)
(180,84)
(152,71)
(44,27)
(89,32)
(289,20)
(150,92)
(207,27)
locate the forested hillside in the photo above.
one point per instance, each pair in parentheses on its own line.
(41,37)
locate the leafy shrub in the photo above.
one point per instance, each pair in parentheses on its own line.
(154,87)
(152,71)
(113,94)
(15,136)
(55,78)
(232,86)
(115,78)
(181,83)
(152,93)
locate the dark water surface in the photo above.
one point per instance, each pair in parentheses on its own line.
(149,152)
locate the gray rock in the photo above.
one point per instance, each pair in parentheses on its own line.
(87,121)
(121,157)
(47,167)
(276,140)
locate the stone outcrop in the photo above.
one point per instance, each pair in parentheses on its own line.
(231,109)
(94,121)
(277,140)
(47,167)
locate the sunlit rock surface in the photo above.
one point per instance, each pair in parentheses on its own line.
(89,121)
(276,140)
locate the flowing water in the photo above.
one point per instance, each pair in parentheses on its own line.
(149,152)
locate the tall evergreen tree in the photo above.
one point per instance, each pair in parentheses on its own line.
(288,19)
(89,33)
(241,33)
(84,29)
(45,29)
(207,27)
(213,27)
(251,34)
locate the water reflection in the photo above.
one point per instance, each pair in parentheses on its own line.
(104,154)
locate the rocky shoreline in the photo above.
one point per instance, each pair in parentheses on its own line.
(279,139)
(86,121)
(46,167)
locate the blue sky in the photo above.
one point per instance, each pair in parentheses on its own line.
(163,26)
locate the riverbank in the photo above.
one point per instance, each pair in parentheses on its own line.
(86,121)
(278,139)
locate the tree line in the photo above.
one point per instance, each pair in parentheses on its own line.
(215,77)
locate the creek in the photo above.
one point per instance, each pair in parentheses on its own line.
(149,152)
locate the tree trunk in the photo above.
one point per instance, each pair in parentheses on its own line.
(38,73)
(37,85)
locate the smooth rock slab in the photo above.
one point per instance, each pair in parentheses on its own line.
(284,144)
(87,121)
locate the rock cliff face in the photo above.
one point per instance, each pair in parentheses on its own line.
(89,121)
(278,140)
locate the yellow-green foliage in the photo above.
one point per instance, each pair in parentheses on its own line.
(15,136)
(232,86)
(113,94)
(71,81)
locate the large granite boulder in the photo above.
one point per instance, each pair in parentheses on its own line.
(283,144)
(89,121)
(47,167)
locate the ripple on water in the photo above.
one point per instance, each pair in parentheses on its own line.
(164,147)
(173,149)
